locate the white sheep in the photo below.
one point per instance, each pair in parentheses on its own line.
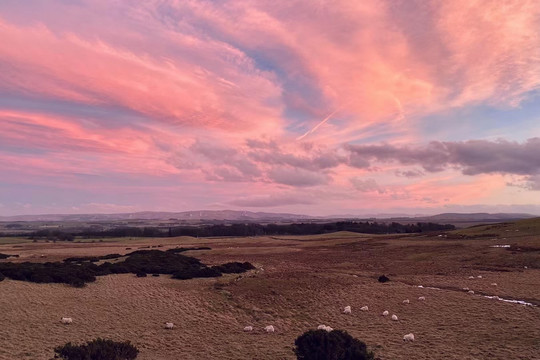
(493,284)
(385,313)
(471,292)
(466,289)
(364,308)
(324,327)
(248,328)
(394,317)
(406,301)
(408,337)
(269,329)
(66,320)
(471,277)
(479,276)
(422,298)
(169,325)
(347,310)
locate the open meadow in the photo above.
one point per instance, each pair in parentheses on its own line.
(300,282)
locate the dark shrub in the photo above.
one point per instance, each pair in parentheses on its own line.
(155,275)
(181,249)
(81,259)
(80,270)
(383,279)
(333,345)
(207,272)
(78,283)
(234,267)
(99,349)
(2,277)
(4,256)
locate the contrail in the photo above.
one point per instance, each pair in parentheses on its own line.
(319,124)
(401,113)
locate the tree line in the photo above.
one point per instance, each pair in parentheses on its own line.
(251,229)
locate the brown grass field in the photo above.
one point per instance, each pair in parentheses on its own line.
(301,282)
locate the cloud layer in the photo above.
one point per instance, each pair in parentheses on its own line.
(347,105)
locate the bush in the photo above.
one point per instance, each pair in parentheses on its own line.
(234,267)
(81,270)
(99,349)
(333,345)
(2,277)
(181,249)
(383,279)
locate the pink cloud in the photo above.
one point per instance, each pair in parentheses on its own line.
(167,89)
(301,102)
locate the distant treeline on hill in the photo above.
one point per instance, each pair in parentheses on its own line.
(244,230)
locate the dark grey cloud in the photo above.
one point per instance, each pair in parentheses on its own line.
(319,160)
(228,163)
(409,173)
(472,157)
(366,185)
(297,177)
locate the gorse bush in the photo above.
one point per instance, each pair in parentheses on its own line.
(98,349)
(79,271)
(333,345)
(234,267)
(383,279)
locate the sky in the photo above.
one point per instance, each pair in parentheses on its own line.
(303,106)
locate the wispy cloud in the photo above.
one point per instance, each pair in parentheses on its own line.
(237,100)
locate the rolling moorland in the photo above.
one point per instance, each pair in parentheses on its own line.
(298,283)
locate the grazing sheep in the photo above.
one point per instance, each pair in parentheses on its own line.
(406,301)
(408,337)
(466,289)
(347,310)
(169,325)
(66,320)
(385,313)
(269,329)
(479,276)
(364,308)
(248,328)
(422,298)
(394,317)
(471,292)
(324,327)
(493,284)
(471,277)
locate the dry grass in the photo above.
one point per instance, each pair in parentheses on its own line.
(306,281)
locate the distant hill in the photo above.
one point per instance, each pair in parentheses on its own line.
(466,219)
(204,215)
(213,216)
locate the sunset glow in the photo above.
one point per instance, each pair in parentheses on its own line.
(314,107)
